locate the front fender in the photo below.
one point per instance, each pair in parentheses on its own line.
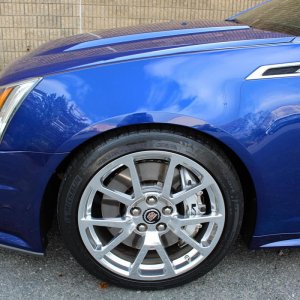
(199,90)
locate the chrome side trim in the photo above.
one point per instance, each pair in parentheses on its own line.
(259,73)
(40,254)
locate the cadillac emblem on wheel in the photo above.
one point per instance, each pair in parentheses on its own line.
(152,216)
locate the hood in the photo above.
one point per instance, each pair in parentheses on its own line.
(106,45)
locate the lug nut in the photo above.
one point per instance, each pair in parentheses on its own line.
(135,211)
(167,210)
(202,209)
(142,227)
(161,227)
(151,200)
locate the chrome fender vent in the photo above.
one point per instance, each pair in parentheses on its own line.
(276,71)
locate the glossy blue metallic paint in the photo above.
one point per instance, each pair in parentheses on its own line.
(23,178)
(205,90)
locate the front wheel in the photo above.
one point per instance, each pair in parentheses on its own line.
(150,209)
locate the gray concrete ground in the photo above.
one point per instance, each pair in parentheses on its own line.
(243,274)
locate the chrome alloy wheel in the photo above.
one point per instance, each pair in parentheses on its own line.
(151,215)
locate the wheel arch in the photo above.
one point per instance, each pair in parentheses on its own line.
(49,201)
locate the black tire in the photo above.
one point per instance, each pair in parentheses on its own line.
(99,153)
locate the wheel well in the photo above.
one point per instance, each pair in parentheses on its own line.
(49,202)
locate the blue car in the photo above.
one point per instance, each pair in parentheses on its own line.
(156,145)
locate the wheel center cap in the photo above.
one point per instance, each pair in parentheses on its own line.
(151,216)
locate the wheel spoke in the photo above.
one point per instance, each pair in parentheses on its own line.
(152,242)
(166,191)
(182,234)
(105,222)
(134,270)
(135,179)
(169,268)
(116,195)
(114,242)
(89,195)
(183,195)
(200,219)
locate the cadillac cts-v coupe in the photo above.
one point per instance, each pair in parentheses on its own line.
(156,145)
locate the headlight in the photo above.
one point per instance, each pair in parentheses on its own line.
(11,97)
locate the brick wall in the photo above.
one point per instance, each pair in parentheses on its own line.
(26,24)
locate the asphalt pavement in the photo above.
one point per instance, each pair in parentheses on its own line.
(243,274)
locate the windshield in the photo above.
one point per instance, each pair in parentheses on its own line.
(277,15)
